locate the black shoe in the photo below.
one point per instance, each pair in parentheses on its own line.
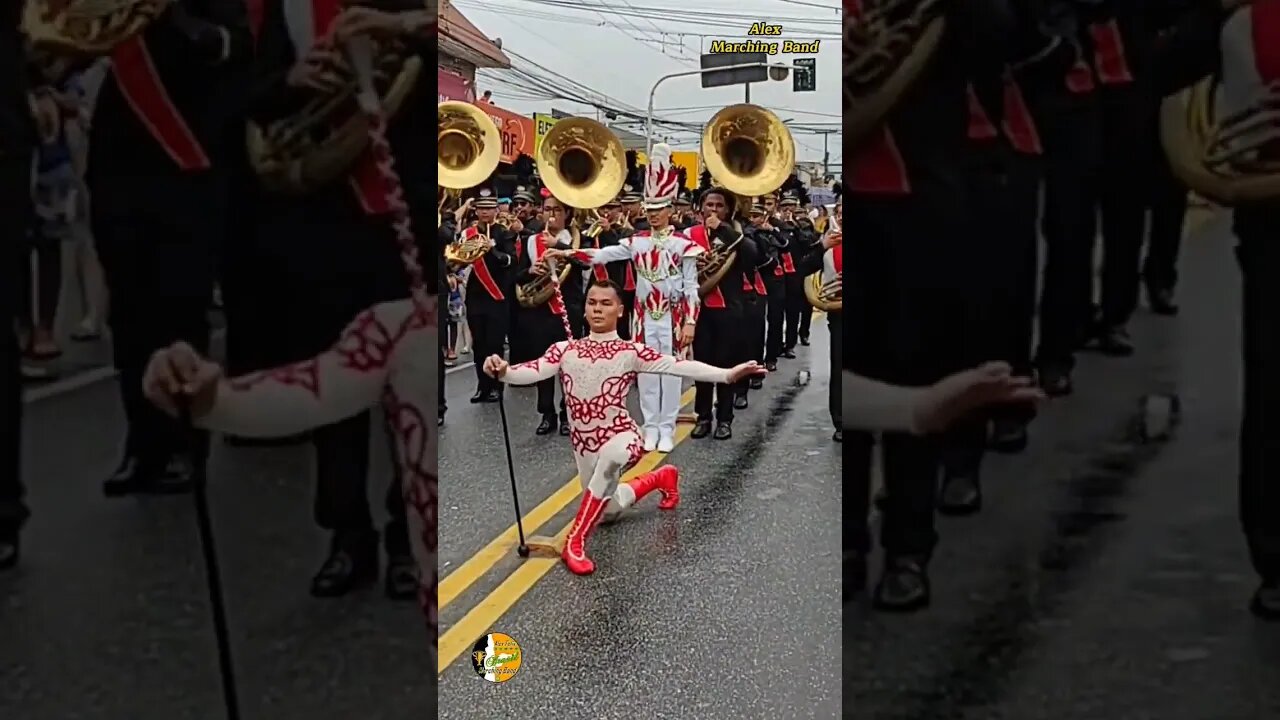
(492,396)
(804,340)
(701,429)
(1056,382)
(788,354)
(10,549)
(1161,302)
(855,575)
(352,563)
(771,365)
(838,435)
(1114,342)
(904,586)
(138,475)
(756,383)
(1008,436)
(479,396)
(724,430)
(564,427)
(1266,601)
(440,421)
(961,494)
(547,426)
(740,402)
(401,582)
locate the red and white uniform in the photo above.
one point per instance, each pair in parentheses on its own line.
(597,373)
(388,354)
(666,269)
(1250,59)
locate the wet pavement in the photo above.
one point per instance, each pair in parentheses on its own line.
(1107,576)
(722,608)
(107,618)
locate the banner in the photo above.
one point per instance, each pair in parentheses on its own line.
(453,87)
(517,131)
(689,160)
(542,124)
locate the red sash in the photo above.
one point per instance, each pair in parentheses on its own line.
(788,266)
(140,84)
(980,127)
(539,249)
(761,289)
(1080,78)
(746,284)
(257,10)
(629,283)
(480,269)
(878,166)
(366,180)
(600,273)
(1019,125)
(837,258)
(1108,53)
(698,234)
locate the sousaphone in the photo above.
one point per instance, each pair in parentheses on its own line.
(750,152)
(86,28)
(828,296)
(887,45)
(468,150)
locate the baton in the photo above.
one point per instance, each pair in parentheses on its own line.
(522,549)
(199,474)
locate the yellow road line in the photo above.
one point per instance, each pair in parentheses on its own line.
(459,638)
(482,562)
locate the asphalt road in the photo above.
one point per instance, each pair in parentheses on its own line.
(721,608)
(107,618)
(1107,577)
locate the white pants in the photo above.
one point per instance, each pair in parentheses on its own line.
(659,394)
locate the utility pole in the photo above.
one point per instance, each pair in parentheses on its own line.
(747,86)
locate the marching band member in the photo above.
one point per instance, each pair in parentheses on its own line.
(1240,41)
(538,328)
(772,243)
(684,217)
(756,297)
(598,372)
(666,304)
(721,340)
(488,290)
(829,259)
(159,186)
(335,252)
(797,314)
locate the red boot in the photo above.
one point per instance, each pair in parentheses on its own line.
(665,479)
(575,547)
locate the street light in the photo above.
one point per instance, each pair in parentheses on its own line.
(777,72)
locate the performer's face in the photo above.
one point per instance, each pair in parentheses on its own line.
(524,209)
(632,209)
(659,218)
(553,212)
(486,215)
(714,204)
(604,309)
(770,205)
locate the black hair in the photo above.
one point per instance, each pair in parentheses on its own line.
(607,284)
(724,194)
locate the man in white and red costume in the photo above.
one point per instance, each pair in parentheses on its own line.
(597,372)
(666,299)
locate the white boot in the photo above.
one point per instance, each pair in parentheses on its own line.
(650,439)
(666,443)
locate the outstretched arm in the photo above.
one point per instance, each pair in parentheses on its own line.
(605,255)
(341,382)
(874,405)
(534,371)
(648,360)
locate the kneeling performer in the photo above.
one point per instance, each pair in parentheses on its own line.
(598,372)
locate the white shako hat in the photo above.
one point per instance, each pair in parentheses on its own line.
(661,180)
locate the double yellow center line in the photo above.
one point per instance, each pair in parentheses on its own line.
(459,638)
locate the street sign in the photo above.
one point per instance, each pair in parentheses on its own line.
(737,76)
(805,77)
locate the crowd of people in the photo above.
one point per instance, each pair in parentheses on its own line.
(1030,123)
(136,163)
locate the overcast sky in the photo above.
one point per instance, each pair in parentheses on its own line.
(620,47)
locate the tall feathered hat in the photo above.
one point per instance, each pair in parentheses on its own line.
(661,181)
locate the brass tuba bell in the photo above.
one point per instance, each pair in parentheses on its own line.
(750,152)
(1223,153)
(468,145)
(887,45)
(582,163)
(825,296)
